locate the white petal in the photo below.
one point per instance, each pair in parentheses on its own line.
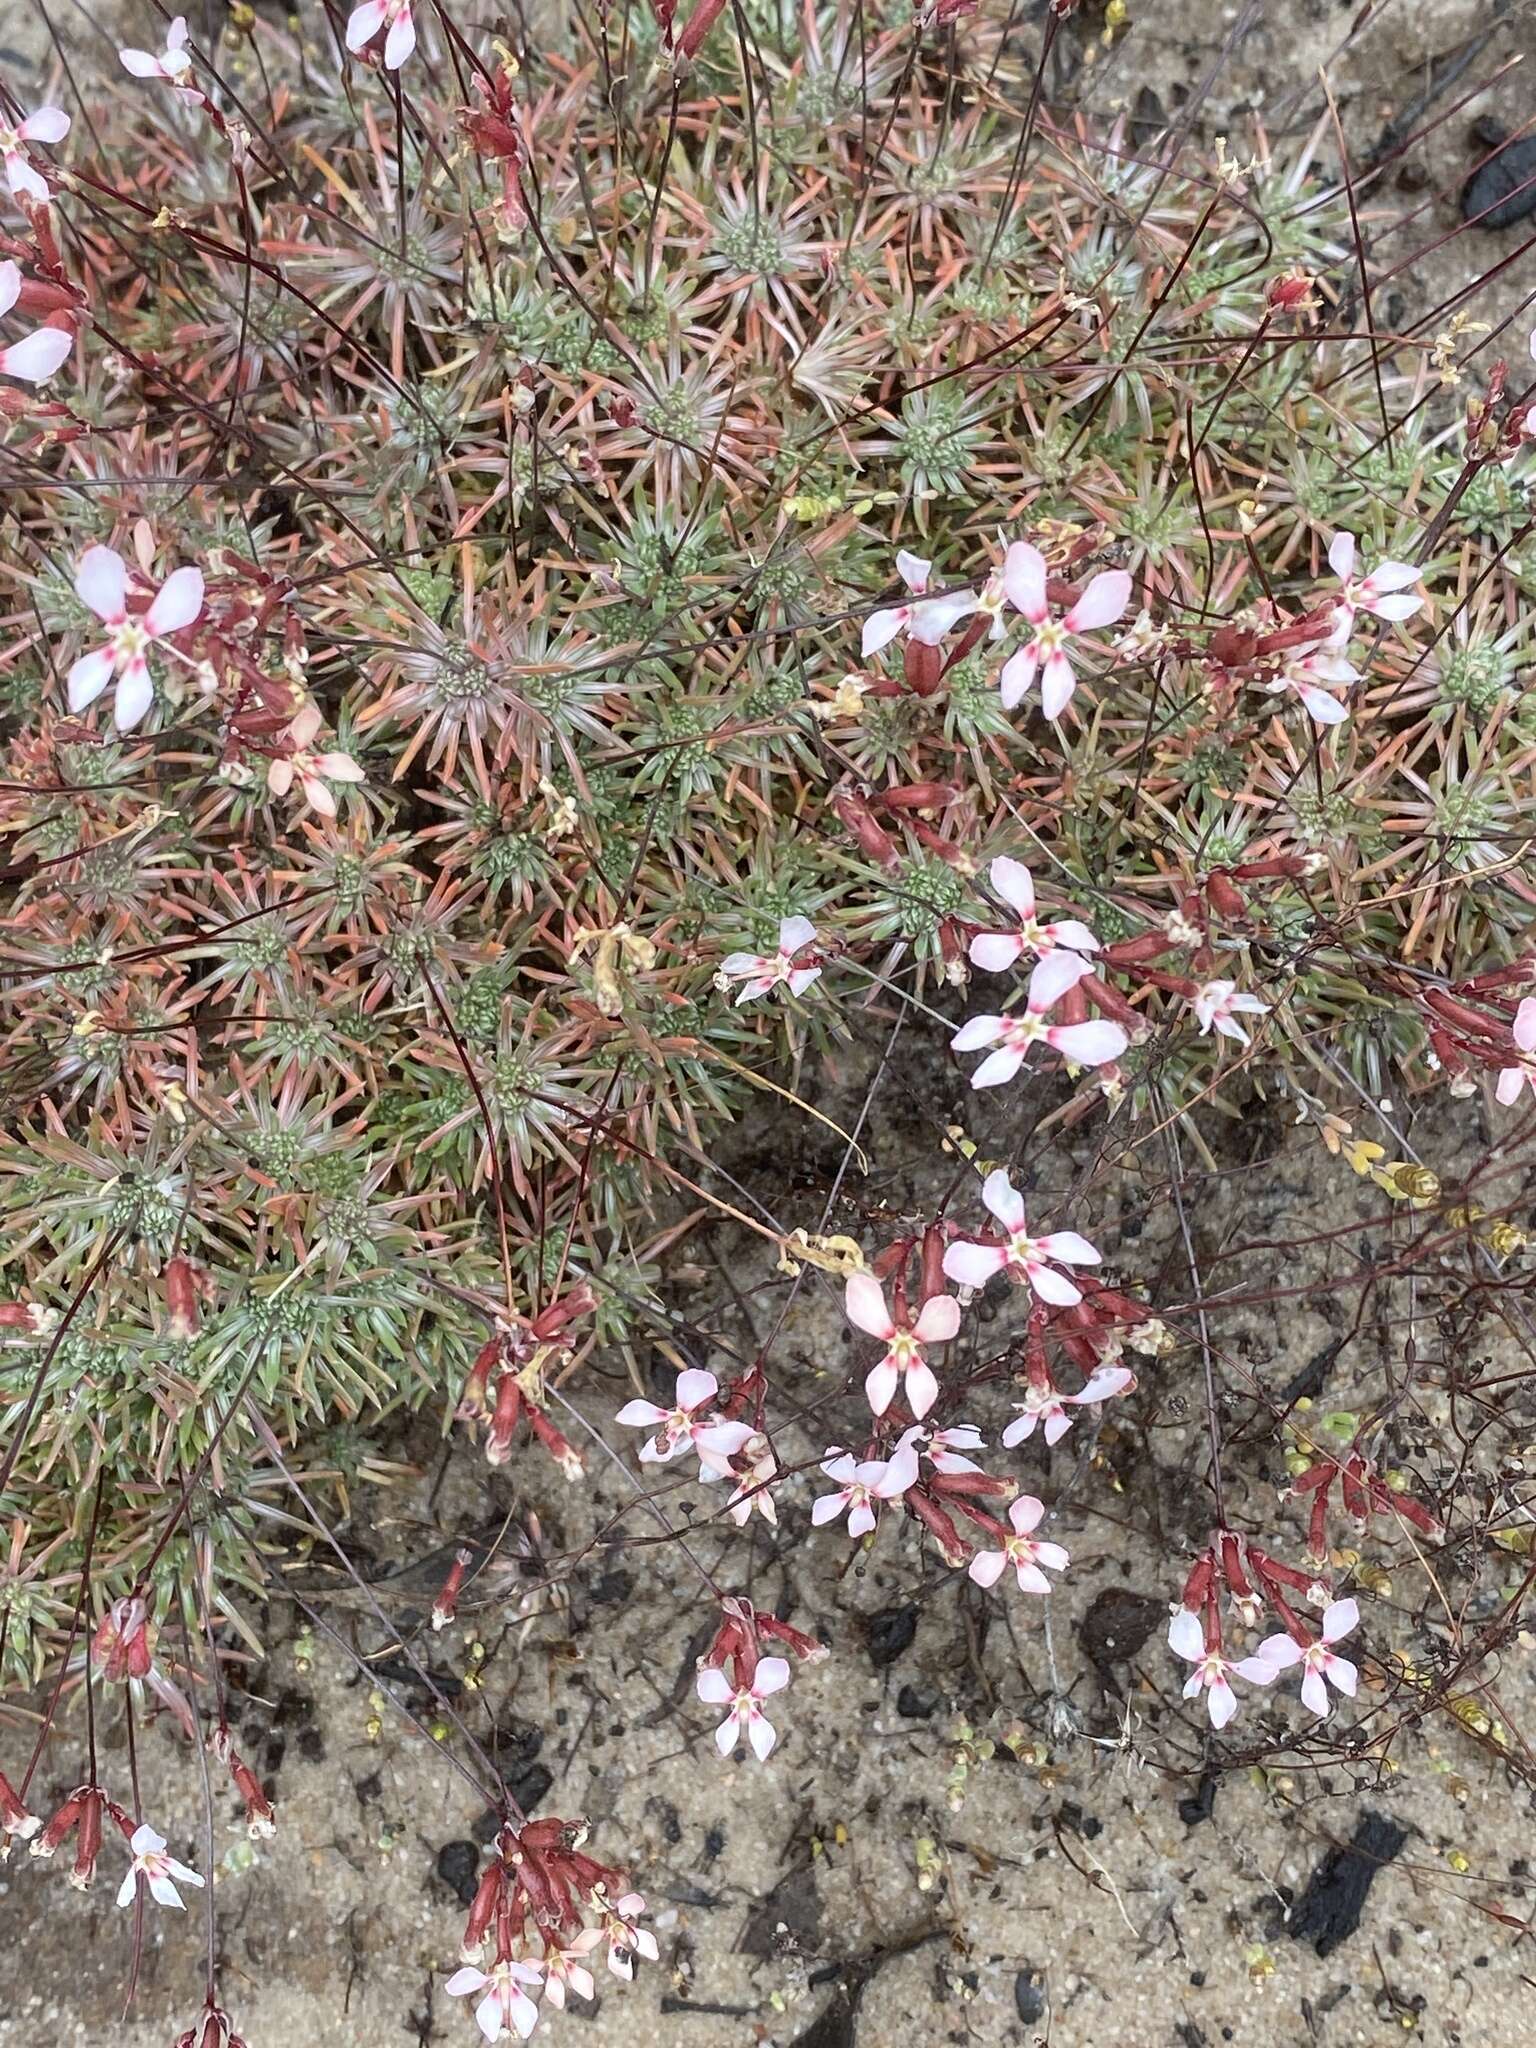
(10,284)
(998,1068)
(1221,1702)
(1024,580)
(933,619)
(135,694)
(973,1265)
(1014,883)
(1186,1637)
(864,1301)
(37,356)
(46,124)
(89,677)
(101,581)
(923,1390)
(986,1567)
(937,1321)
(1343,1676)
(1070,931)
(880,629)
(398,45)
(1069,1248)
(1101,603)
(1089,1045)
(695,1387)
(976,1032)
(995,952)
(880,1386)
(1018,676)
(1056,685)
(1341,555)
(762,1736)
(1052,1286)
(1314,1693)
(913,571)
(1051,979)
(1003,1199)
(141,64)
(179,601)
(795,932)
(1394,576)
(714,1687)
(728,1734)
(772,1676)
(364,23)
(1340,1617)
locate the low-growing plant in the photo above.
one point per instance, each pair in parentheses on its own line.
(561,584)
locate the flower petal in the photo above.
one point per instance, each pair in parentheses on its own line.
(1018,676)
(1014,883)
(1055,974)
(1186,1637)
(1056,685)
(938,1320)
(1093,1044)
(135,694)
(101,581)
(1104,600)
(998,1068)
(973,1265)
(1024,580)
(880,629)
(864,1304)
(995,952)
(695,1387)
(89,677)
(1003,1199)
(178,603)
(37,356)
(1341,555)
(986,1567)
(772,1676)
(880,1386)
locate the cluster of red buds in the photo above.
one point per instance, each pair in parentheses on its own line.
(214,2030)
(1362,1493)
(122,1650)
(734,1673)
(1475,1027)
(684,44)
(507,1380)
(495,130)
(539,1884)
(260,1822)
(1490,436)
(81,1815)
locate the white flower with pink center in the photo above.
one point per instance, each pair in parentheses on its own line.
(944,1447)
(761,973)
(1383,593)
(755,1472)
(174,62)
(1320,1667)
(47,124)
(1091,1044)
(565,1969)
(38,355)
(1022,1551)
(160,1872)
(101,581)
(995,951)
(745,1719)
(1186,1639)
(1308,674)
(1032,1260)
(1219,1004)
(1045,652)
(904,1364)
(312,771)
(925,620)
(1045,1408)
(862,1486)
(506,2007)
(625,1939)
(393,16)
(1523,1073)
(690,1419)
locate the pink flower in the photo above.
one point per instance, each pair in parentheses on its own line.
(1218,1006)
(1021,1551)
(1101,603)
(1045,1405)
(156,1868)
(945,1445)
(1377,593)
(1523,1073)
(1306,671)
(927,622)
(754,1486)
(936,1323)
(684,1423)
(760,973)
(48,124)
(625,1939)
(1186,1638)
(35,358)
(1320,1667)
(312,771)
(1092,1044)
(101,581)
(506,2007)
(1019,1255)
(862,1486)
(364,23)
(995,951)
(745,1703)
(174,62)
(565,1969)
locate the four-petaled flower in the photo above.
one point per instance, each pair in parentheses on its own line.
(364,23)
(1383,593)
(1523,1073)
(936,1322)
(1320,1667)
(1092,1044)
(995,951)
(310,770)
(35,358)
(1045,1406)
(927,620)
(626,1940)
(566,1969)
(506,2007)
(1186,1638)
(1306,672)
(862,1485)
(1021,1551)
(1102,601)
(1019,1254)
(174,61)
(759,973)
(101,581)
(689,1421)
(745,1704)
(1218,1005)
(160,1872)
(48,124)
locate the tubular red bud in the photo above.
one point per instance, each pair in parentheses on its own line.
(445,1606)
(509,1401)
(920,796)
(1224,897)
(181,1299)
(860,822)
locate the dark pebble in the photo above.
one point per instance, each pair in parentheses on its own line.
(1029,1995)
(889,1633)
(917,1702)
(1503,190)
(458,1865)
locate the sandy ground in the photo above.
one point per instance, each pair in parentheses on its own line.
(1081,1892)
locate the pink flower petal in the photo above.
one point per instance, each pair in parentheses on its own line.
(1056,973)
(1003,1199)
(1104,600)
(864,1304)
(880,629)
(1014,883)
(880,1386)
(938,1320)
(995,952)
(179,601)
(1018,676)
(999,1067)
(101,581)
(1088,1045)
(695,1387)
(1341,555)
(1024,580)
(1056,685)
(37,356)
(973,1265)
(89,677)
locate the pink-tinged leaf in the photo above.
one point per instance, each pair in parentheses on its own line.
(1104,601)
(1057,684)
(880,629)
(1018,676)
(1089,1045)
(1024,580)
(37,356)
(101,581)
(938,1321)
(1003,1199)
(995,952)
(973,1265)
(179,601)
(864,1301)
(1341,556)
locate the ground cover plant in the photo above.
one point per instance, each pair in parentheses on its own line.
(570,576)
